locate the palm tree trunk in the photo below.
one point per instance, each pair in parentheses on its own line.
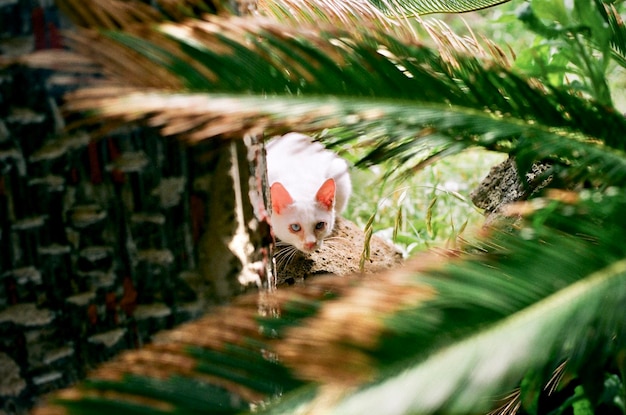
(106,240)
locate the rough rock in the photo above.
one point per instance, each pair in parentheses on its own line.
(503,186)
(340,255)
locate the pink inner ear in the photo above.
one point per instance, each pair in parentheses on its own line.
(280,197)
(326,194)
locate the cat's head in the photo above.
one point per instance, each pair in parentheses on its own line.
(303,223)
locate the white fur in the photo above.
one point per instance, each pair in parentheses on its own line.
(302,165)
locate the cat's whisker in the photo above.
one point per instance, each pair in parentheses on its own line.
(284,254)
(280,256)
(291,256)
(287,258)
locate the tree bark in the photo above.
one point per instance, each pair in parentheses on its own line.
(105,242)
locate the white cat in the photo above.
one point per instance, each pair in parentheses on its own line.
(309,186)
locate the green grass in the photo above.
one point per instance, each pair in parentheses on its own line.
(432,208)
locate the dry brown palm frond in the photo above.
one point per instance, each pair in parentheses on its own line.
(193,117)
(341,14)
(451,45)
(248,55)
(161,48)
(127,66)
(556,379)
(55,59)
(179,10)
(182,352)
(194,53)
(510,404)
(335,324)
(122,14)
(108,14)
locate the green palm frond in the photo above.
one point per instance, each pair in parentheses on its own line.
(421,7)
(346,346)
(239,54)
(618,33)
(576,41)
(513,344)
(392,89)
(409,133)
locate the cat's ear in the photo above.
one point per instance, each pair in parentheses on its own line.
(280,197)
(326,194)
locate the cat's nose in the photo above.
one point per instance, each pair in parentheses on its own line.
(309,245)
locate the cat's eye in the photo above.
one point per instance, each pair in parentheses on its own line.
(295,227)
(320,225)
